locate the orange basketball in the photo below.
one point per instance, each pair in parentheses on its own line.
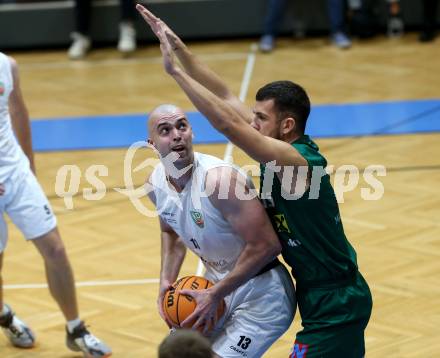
(178,307)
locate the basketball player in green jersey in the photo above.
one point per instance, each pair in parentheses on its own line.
(333,298)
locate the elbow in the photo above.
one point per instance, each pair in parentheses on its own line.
(276,248)
(226,123)
(273,247)
(224,127)
(180,248)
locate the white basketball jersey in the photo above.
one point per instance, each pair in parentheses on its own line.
(12,159)
(198,223)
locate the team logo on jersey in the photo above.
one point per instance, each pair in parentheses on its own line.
(2,88)
(281,223)
(197,218)
(299,350)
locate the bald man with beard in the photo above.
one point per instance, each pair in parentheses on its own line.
(206,205)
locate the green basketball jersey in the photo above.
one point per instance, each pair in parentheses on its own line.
(310,229)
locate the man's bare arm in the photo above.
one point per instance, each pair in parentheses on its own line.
(173,252)
(248,220)
(224,117)
(235,126)
(20,117)
(196,69)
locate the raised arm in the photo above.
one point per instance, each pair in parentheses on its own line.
(223,115)
(196,69)
(247,219)
(235,127)
(20,116)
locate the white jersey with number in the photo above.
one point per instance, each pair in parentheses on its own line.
(23,200)
(259,311)
(13,161)
(198,223)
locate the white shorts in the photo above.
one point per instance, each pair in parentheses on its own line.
(26,204)
(257,314)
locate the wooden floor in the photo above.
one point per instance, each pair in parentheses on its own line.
(110,243)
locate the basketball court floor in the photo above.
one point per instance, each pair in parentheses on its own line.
(377,104)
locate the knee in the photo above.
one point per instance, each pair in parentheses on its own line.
(56,254)
(52,248)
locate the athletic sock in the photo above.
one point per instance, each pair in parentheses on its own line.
(72,324)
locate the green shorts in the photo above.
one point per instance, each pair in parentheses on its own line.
(334,320)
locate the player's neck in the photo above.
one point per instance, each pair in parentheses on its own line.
(292,137)
(179,183)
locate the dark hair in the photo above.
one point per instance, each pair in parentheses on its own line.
(185,343)
(290,100)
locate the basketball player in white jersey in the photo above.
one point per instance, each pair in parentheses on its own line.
(22,198)
(202,206)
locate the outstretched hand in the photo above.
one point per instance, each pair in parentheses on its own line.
(169,41)
(153,21)
(204,317)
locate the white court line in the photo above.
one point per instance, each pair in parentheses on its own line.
(87,284)
(250,62)
(243,92)
(89,63)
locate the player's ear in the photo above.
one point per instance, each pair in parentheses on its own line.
(288,125)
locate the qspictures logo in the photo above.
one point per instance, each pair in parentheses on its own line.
(346,178)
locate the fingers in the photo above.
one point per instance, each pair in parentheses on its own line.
(164,316)
(190,293)
(149,17)
(201,323)
(144,13)
(160,29)
(189,321)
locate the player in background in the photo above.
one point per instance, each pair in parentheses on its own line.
(22,198)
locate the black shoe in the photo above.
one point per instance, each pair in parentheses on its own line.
(16,330)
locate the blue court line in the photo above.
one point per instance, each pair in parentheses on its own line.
(334,120)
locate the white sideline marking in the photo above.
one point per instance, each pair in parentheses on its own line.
(87,284)
(89,63)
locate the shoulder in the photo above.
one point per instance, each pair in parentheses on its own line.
(8,66)
(154,180)
(309,150)
(149,188)
(224,179)
(157,174)
(207,161)
(13,65)
(12,62)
